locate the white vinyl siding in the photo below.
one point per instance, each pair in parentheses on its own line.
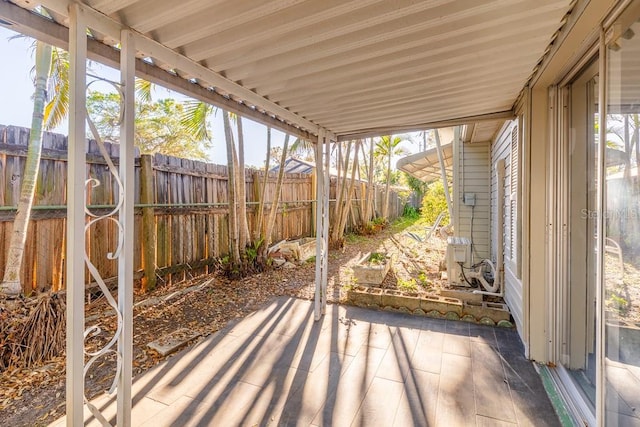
(507,147)
(473,176)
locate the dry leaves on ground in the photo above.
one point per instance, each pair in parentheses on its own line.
(36,396)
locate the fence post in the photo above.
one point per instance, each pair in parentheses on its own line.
(147,197)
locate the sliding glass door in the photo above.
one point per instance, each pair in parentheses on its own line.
(621,226)
(578,221)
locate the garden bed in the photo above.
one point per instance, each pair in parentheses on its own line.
(423,304)
(372,268)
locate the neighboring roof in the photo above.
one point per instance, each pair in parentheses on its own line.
(425,166)
(292,165)
(351,67)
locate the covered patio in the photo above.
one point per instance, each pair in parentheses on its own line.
(324,71)
(355,367)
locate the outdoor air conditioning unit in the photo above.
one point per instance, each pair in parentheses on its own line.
(458,251)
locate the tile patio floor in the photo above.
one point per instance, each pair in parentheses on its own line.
(355,367)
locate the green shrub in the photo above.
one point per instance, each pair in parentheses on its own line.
(410,212)
(407,285)
(433,203)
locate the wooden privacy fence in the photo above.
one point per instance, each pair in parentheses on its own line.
(181,205)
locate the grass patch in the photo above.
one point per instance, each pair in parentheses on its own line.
(355,238)
(404,222)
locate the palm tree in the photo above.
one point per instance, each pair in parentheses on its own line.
(276,197)
(11,285)
(343,204)
(388,147)
(303,149)
(196,115)
(234,249)
(242,187)
(258,235)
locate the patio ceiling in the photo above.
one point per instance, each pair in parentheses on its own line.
(354,68)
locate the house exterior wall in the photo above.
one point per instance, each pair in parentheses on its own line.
(539,252)
(506,147)
(472,175)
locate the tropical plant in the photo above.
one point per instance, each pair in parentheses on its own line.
(434,202)
(276,198)
(418,186)
(195,119)
(160,126)
(302,149)
(11,285)
(243,226)
(234,249)
(258,237)
(387,147)
(344,202)
(370,184)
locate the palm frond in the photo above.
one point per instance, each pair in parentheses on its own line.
(57,106)
(194,119)
(144,90)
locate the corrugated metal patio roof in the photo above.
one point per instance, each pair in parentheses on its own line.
(351,67)
(425,165)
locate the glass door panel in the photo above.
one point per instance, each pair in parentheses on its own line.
(579,348)
(621,263)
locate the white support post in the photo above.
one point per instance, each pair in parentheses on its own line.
(443,170)
(325,224)
(125,261)
(74,278)
(319,223)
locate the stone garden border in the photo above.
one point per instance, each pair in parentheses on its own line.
(436,306)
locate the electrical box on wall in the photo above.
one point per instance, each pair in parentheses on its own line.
(458,254)
(469,199)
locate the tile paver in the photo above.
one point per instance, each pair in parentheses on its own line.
(355,367)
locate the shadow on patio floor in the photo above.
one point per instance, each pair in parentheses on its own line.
(355,367)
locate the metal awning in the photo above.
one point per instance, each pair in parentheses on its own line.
(323,70)
(353,68)
(425,166)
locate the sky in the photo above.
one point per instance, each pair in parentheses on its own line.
(16,90)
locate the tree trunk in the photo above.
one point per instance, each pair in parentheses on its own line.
(385,208)
(242,189)
(628,147)
(11,285)
(341,192)
(346,208)
(370,187)
(234,250)
(276,196)
(636,138)
(339,175)
(259,227)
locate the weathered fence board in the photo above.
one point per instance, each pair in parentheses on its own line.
(189,201)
